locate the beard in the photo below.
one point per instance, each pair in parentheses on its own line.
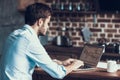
(43,30)
(41,34)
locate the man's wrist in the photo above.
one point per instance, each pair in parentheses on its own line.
(58,61)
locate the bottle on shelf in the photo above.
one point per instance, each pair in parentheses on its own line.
(70,6)
(78,6)
(62,6)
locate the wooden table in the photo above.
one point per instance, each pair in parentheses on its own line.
(96,74)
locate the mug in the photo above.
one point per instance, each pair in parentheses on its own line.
(112,66)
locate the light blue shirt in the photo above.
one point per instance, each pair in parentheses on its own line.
(22,52)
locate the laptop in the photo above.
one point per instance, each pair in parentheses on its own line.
(91,55)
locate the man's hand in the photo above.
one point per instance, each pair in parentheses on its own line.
(70,64)
(77,64)
(68,61)
(65,62)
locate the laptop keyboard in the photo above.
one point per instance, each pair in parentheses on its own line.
(84,67)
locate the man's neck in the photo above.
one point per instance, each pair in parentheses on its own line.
(35,28)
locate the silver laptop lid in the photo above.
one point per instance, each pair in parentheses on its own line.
(91,54)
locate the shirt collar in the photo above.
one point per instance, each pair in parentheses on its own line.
(30,29)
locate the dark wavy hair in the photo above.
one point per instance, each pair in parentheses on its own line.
(36,11)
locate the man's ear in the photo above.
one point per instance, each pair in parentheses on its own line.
(40,22)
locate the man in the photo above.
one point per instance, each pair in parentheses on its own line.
(23,51)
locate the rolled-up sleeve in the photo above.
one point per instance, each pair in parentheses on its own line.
(39,55)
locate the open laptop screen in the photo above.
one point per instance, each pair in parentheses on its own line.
(91,54)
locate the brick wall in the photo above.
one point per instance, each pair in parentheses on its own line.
(106,26)
(102,25)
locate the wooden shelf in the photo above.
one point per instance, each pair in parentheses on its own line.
(60,11)
(74,7)
(71,13)
(67,13)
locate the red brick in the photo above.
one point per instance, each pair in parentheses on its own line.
(74,24)
(95,25)
(78,29)
(110,26)
(52,28)
(110,30)
(81,44)
(116,20)
(117,25)
(60,24)
(74,33)
(67,24)
(110,35)
(102,25)
(53,33)
(104,20)
(67,34)
(89,20)
(75,38)
(54,24)
(95,30)
(90,25)
(115,40)
(95,35)
(81,25)
(102,35)
(92,39)
(117,35)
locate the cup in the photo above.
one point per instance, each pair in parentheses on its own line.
(112,66)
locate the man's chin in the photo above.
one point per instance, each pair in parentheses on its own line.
(41,34)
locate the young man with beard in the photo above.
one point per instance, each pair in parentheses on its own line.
(23,51)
